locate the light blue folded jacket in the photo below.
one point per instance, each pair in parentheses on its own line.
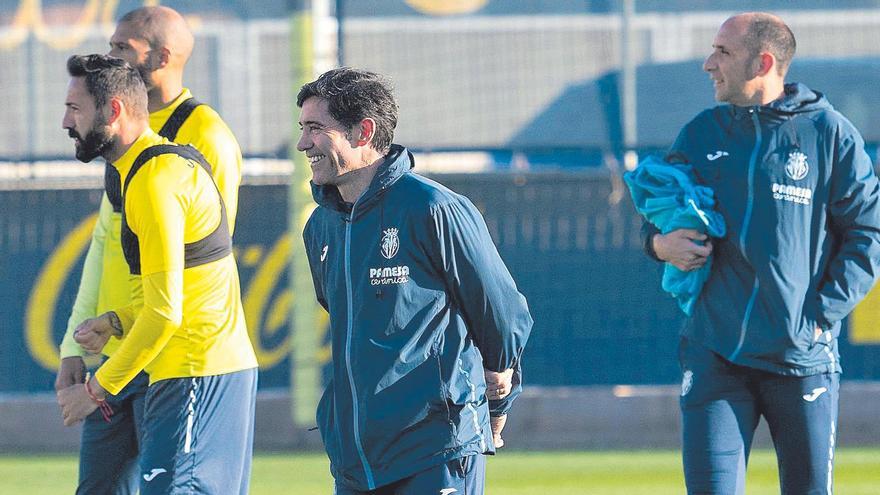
(668,196)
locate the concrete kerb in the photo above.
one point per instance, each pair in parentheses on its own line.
(544,418)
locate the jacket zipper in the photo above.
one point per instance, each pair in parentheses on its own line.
(371,484)
(747,218)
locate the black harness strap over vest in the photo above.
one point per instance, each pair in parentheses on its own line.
(216,245)
(178,117)
(168,131)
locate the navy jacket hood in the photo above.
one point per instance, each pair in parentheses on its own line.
(797,99)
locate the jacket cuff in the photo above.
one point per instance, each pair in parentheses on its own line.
(648,232)
(501,407)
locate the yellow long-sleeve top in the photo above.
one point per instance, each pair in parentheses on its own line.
(105,283)
(206,132)
(191,322)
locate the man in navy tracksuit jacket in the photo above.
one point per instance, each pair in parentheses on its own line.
(800,199)
(420,303)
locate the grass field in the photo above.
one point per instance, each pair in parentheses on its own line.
(510,473)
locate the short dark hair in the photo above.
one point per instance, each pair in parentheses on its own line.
(354,95)
(766,32)
(107,77)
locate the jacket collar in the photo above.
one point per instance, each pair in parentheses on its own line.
(398,162)
(797,98)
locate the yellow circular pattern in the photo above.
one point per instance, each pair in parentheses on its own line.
(447,7)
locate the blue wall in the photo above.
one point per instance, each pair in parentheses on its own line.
(40,267)
(600,317)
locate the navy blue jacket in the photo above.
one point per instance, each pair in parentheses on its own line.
(419,302)
(800,199)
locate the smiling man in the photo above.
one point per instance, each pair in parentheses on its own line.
(420,303)
(800,199)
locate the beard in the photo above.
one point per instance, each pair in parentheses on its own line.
(146,74)
(94,144)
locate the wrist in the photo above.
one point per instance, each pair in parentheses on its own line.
(98,395)
(115,323)
(95,390)
(651,246)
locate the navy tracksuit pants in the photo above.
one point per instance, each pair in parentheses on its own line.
(462,476)
(199,435)
(721,404)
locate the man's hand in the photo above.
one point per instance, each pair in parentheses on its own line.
(679,248)
(75,401)
(94,333)
(71,372)
(75,404)
(497,423)
(498,385)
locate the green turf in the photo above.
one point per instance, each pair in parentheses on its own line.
(510,473)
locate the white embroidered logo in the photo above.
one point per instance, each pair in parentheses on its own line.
(718,154)
(687,381)
(389,275)
(790,193)
(155,472)
(796,167)
(815,394)
(447,491)
(390,243)
(324,253)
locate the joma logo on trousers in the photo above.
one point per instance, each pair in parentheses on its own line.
(815,394)
(155,472)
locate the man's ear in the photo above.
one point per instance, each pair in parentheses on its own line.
(115,107)
(766,63)
(366,131)
(161,57)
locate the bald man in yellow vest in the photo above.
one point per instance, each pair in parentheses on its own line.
(158,43)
